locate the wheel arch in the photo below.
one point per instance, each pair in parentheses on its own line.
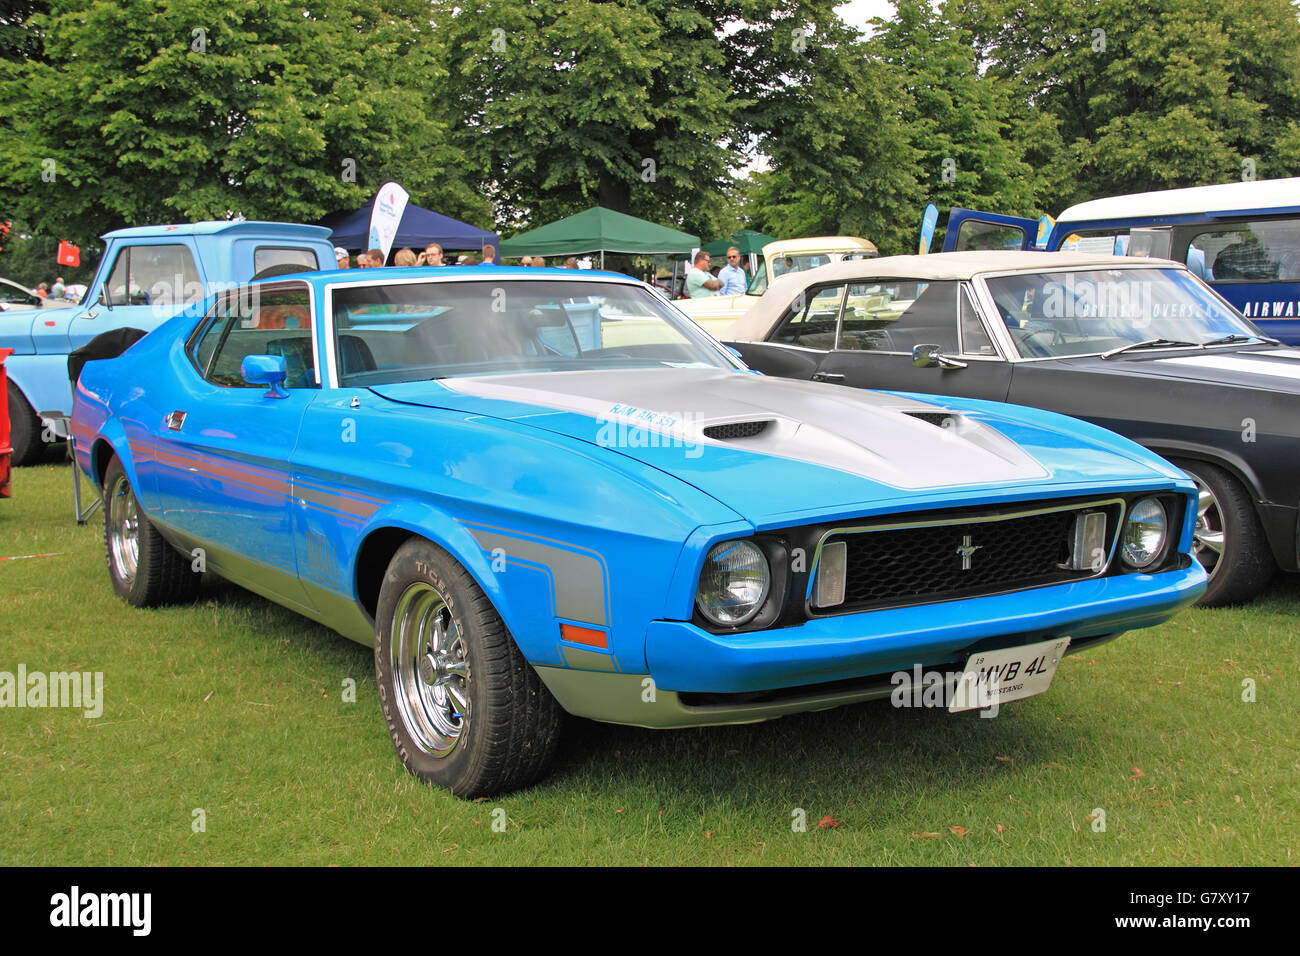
(392,527)
(1235,465)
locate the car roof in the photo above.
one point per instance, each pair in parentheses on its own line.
(212,227)
(384,274)
(1263,194)
(788,247)
(755,324)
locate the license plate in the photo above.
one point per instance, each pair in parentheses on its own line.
(996,677)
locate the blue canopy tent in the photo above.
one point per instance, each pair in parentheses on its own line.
(418,228)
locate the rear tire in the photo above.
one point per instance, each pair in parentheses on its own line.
(1229,539)
(24,429)
(145,570)
(464,709)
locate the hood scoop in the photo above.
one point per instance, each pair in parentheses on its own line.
(731,431)
(937,419)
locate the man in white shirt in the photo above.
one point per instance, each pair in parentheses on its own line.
(734,279)
(699,283)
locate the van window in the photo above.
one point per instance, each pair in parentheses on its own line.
(1264,251)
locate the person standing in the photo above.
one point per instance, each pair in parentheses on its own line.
(342,258)
(404,257)
(56,290)
(734,278)
(432,255)
(489,256)
(699,284)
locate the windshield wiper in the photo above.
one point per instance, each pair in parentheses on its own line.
(1148,344)
(1239,337)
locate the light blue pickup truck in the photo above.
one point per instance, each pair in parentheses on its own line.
(147,275)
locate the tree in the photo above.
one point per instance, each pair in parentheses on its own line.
(566,104)
(148,112)
(957,120)
(825,116)
(1169,93)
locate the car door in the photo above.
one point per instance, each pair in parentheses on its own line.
(146,283)
(224,445)
(875,326)
(971,229)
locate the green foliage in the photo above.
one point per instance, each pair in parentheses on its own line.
(824,114)
(709,116)
(151,112)
(1152,96)
(567,104)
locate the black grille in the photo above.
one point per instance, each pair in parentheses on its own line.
(733,430)
(909,565)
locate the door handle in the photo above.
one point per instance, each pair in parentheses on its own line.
(835,378)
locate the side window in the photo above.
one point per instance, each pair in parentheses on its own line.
(274,322)
(16,296)
(973,234)
(893,315)
(155,275)
(264,257)
(974,339)
(812,319)
(1265,251)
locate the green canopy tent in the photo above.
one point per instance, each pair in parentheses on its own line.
(749,242)
(599,230)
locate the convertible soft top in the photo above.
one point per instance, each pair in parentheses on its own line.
(755,324)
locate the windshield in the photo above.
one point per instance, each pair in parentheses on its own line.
(1051,314)
(414,331)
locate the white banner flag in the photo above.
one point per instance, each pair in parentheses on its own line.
(390,203)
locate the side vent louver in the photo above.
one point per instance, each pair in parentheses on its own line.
(733,430)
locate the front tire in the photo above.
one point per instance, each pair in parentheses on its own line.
(464,709)
(24,429)
(145,570)
(1229,539)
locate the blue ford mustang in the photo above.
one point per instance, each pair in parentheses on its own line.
(545,491)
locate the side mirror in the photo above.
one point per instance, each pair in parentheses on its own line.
(928,356)
(265,370)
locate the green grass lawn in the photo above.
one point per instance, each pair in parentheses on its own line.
(235,707)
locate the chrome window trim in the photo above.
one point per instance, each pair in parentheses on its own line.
(986,519)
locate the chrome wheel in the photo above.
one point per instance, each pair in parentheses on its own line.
(1207,536)
(430,672)
(124,529)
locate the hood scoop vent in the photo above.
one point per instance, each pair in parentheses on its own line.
(937,419)
(734,430)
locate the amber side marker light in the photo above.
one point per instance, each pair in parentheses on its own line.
(584,635)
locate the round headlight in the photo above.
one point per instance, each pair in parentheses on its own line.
(1144,533)
(734,583)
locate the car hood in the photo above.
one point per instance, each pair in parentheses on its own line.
(773,448)
(1273,368)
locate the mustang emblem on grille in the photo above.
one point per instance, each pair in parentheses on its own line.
(966,550)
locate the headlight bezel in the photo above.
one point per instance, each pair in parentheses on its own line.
(1155,554)
(775,552)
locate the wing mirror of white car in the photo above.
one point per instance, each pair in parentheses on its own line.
(267,370)
(928,356)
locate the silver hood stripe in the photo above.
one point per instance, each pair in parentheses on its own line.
(868,434)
